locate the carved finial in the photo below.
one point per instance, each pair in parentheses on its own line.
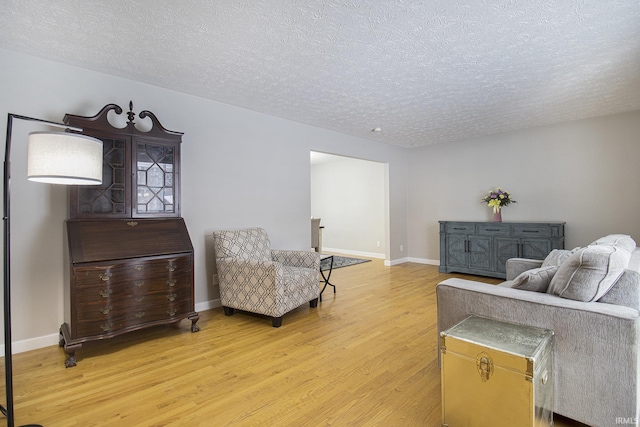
(131,115)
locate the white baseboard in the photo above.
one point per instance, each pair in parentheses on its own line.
(355,253)
(54,339)
(396,261)
(425,261)
(208,305)
(382,256)
(410,259)
(32,344)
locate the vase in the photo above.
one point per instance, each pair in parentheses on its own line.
(497,215)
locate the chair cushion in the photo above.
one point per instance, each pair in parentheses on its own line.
(536,280)
(588,273)
(251,243)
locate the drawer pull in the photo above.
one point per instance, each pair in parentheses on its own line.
(530,231)
(492,229)
(172,312)
(171,267)
(106,310)
(139,283)
(140,315)
(171,283)
(138,299)
(132,223)
(104,293)
(459,228)
(105,277)
(139,267)
(106,327)
(172,297)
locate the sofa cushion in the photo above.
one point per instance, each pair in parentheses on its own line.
(622,241)
(588,273)
(536,280)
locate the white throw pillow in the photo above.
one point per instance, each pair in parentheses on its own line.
(536,279)
(556,257)
(589,272)
(622,241)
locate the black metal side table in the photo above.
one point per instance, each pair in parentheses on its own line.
(326,278)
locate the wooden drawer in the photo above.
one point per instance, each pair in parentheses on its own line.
(140,286)
(95,275)
(93,322)
(132,270)
(531,230)
(89,307)
(114,296)
(459,228)
(494,229)
(162,267)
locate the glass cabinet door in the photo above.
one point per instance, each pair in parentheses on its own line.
(156,176)
(109,198)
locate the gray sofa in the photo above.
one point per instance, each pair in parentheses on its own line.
(597,327)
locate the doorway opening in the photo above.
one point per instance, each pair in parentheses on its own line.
(350,196)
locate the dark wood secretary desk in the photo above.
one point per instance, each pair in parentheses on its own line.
(130,254)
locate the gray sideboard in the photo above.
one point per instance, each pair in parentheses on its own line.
(483,248)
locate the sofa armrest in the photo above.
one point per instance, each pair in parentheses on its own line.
(516,266)
(626,291)
(594,342)
(304,259)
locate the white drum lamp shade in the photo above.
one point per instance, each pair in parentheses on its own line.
(64,158)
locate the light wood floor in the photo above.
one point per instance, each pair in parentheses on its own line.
(367,356)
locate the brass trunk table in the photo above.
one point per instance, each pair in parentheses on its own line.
(496,374)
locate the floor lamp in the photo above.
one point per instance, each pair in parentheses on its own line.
(56,158)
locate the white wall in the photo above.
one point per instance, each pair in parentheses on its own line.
(349,196)
(242,168)
(239,169)
(584,172)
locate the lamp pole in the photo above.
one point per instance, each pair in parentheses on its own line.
(8,411)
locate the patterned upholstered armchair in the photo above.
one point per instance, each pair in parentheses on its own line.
(257,279)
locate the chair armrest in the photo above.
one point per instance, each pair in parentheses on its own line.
(304,259)
(238,272)
(516,266)
(252,285)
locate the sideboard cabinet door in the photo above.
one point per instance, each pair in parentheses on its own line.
(480,252)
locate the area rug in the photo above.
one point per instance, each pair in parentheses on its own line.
(340,261)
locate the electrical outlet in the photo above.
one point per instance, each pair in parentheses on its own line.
(401,248)
(378,243)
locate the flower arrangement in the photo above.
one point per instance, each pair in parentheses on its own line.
(498,199)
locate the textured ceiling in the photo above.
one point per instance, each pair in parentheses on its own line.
(425,72)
